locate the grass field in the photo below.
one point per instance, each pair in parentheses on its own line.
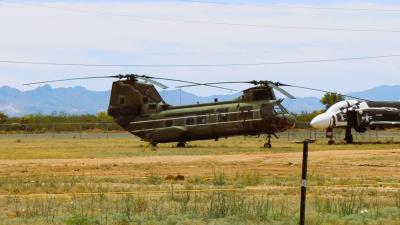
(233,181)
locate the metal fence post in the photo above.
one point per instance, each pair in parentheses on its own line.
(304,179)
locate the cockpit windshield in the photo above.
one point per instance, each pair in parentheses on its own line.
(279,109)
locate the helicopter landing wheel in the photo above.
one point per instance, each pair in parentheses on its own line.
(181,144)
(331,142)
(267,145)
(153,145)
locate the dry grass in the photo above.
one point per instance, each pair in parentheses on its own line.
(348,184)
(63,148)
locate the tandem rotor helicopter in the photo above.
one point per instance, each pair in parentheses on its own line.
(136,106)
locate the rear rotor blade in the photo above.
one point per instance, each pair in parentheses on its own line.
(189,82)
(149,79)
(70,79)
(156,83)
(212,83)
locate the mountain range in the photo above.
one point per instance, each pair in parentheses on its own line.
(79,100)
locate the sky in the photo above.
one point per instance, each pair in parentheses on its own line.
(166,32)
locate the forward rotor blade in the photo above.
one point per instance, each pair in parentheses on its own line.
(69,79)
(319,90)
(281,90)
(271,84)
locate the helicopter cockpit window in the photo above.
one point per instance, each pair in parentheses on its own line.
(222,115)
(190,121)
(121,99)
(278,109)
(260,95)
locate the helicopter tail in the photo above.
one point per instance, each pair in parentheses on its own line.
(125,102)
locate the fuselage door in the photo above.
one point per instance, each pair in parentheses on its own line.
(266,112)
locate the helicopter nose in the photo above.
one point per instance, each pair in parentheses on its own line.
(322,121)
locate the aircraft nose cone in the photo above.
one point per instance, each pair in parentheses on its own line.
(322,121)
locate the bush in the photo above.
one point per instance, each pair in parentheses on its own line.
(154,179)
(219,178)
(80,220)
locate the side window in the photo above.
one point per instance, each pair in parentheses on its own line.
(190,121)
(277,109)
(169,123)
(145,100)
(201,119)
(121,99)
(246,113)
(222,115)
(260,95)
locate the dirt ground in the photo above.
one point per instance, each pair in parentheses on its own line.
(38,174)
(357,166)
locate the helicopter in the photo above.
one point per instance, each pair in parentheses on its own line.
(358,115)
(137,106)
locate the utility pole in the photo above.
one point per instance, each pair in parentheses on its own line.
(304,179)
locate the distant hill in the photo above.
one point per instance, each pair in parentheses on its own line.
(299,105)
(46,100)
(79,100)
(380,93)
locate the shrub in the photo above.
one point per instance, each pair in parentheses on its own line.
(80,220)
(219,178)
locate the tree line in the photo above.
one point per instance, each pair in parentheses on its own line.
(58,121)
